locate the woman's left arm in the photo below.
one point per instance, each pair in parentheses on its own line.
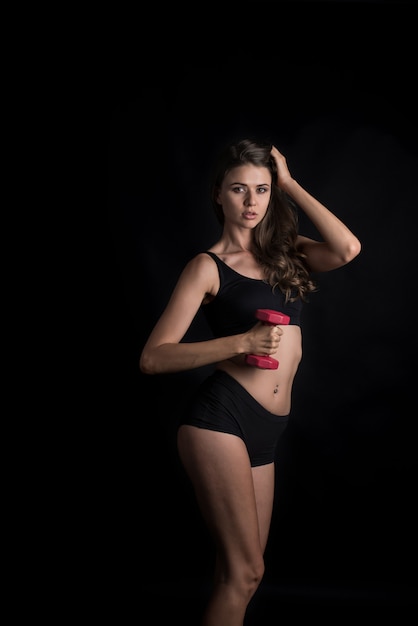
(339,245)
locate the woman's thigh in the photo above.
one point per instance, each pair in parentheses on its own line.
(233,497)
(263,478)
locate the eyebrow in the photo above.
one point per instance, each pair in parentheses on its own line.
(246,184)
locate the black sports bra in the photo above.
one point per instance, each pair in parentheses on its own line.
(232,311)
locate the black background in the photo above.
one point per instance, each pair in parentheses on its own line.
(333,86)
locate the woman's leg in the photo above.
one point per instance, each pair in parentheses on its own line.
(236,503)
(263,477)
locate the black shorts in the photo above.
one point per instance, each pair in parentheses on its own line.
(221,403)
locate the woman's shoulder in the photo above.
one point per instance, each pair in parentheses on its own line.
(201,269)
(205,257)
(202,263)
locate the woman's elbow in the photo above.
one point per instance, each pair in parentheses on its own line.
(146,364)
(353,250)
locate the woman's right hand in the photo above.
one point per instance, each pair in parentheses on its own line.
(264,339)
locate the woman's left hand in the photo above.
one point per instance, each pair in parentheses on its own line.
(283,174)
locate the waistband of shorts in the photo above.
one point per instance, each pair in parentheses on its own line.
(233,385)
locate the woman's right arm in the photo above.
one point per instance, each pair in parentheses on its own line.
(163,352)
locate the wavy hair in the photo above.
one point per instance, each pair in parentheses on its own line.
(274,238)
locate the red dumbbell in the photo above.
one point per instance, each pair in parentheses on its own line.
(273,318)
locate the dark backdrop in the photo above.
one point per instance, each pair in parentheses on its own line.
(332,85)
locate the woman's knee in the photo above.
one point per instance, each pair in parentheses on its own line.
(250,576)
(257,573)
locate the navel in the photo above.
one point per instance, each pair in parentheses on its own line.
(276,389)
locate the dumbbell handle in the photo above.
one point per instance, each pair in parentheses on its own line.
(272,318)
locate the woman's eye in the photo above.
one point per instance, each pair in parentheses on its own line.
(260,190)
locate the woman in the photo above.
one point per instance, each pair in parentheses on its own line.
(229,433)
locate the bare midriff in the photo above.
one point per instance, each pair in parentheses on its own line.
(271,388)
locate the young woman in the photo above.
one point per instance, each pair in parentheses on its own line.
(229,432)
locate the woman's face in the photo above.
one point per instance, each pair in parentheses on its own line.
(245,194)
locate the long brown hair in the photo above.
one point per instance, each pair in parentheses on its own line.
(274,238)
